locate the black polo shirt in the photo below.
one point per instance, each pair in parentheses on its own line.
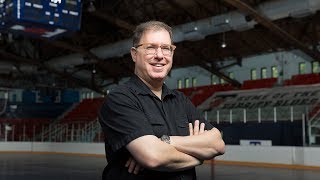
(130,111)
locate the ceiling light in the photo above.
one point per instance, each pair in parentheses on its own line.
(223,45)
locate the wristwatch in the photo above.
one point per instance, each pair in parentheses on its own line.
(165,138)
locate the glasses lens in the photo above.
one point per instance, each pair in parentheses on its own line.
(166,50)
(151,49)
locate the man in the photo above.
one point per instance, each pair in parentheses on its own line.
(152,132)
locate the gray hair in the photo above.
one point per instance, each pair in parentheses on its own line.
(149,25)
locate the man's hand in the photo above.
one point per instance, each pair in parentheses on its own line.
(196,129)
(201,144)
(133,166)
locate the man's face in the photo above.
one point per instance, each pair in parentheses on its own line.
(155,66)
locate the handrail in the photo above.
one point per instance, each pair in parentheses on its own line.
(315,114)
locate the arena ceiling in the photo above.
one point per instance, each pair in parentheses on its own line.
(93,57)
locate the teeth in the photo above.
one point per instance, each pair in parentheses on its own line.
(159,65)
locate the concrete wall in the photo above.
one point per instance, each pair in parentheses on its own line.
(78,148)
(306,156)
(284,155)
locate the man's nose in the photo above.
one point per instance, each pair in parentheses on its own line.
(159,52)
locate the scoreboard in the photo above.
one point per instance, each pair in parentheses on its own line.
(40,18)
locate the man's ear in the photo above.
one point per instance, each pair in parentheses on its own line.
(133,52)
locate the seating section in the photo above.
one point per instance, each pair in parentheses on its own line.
(23,129)
(37,110)
(259,83)
(303,79)
(86,111)
(201,93)
(81,118)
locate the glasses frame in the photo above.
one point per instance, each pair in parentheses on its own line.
(144,45)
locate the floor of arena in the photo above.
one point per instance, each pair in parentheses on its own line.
(17,166)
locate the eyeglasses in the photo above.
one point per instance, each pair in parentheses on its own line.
(151,49)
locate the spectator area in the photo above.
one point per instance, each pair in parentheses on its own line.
(86,111)
(201,93)
(259,83)
(303,79)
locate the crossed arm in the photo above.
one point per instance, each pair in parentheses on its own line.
(201,144)
(184,152)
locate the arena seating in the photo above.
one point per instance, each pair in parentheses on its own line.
(86,111)
(80,121)
(187,91)
(37,110)
(259,83)
(201,93)
(23,129)
(78,124)
(303,79)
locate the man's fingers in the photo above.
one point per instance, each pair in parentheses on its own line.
(132,166)
(190,129)
(128,162)
(196,127)
(137,169)
(201,130)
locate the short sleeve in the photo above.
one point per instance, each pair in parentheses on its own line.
(122,119)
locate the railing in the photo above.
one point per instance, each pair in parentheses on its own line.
(75,132)
(79,131)
(56,132)
(90,131)
(314,125)
(256,114)
(51,133)
(283,113)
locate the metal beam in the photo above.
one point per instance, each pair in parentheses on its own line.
(73,48)
(264,21)
(113,20)
(218,73)
(38,63)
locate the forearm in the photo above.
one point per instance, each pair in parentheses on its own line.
(160,156)
(174,160)
(203,146)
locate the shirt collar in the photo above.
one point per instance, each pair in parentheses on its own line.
(141,88)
